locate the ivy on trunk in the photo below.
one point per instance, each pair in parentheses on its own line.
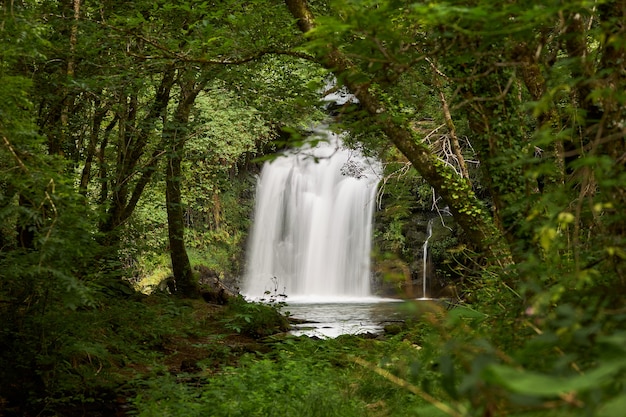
(468,210)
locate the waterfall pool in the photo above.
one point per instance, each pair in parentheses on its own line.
(330,318)
(311,235)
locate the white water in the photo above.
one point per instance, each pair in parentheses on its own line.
(328,319)
(429,233)
(312,225)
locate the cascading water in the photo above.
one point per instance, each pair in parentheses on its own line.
(429,233)
(313,222)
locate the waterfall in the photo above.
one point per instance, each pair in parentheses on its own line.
(313,223)
(429,233)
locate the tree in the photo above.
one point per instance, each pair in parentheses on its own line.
(175,135)
(469,212)
(536,90)
(133,140)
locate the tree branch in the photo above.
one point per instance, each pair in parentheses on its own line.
(467,209)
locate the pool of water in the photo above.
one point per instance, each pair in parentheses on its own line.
(331,318)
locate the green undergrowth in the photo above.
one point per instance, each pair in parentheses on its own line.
(157,355)
(296,377)
(449,363)
(285,375)
(66,362)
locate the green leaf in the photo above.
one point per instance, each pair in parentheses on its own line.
(613,408)
(461,313)
(535,384)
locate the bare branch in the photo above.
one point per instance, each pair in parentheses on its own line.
(17,158)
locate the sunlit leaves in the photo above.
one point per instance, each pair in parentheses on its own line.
(225,128)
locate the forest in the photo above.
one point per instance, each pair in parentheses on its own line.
(132,136)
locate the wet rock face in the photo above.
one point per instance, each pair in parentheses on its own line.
(399,270)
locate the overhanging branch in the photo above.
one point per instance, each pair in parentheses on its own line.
(467,209)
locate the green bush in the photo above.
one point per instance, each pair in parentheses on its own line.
(255,319)
(285,385)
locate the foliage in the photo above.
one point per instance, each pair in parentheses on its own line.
(298,376)
(531,95)
(403,194)
(66,357)
(255,319)
(477,376)
(277,386)
(535,92)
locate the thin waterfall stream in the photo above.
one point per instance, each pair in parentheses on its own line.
(429,234)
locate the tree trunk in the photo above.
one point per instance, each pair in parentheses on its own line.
(469,212)
(174,136)
(27,225)
(98,118)
(181,267)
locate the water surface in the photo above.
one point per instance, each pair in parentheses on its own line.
(331,318)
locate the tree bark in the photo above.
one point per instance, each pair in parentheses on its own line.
(468,210)
(102,165)
(175,136)
(181,266)
(69,97)
(98,117)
